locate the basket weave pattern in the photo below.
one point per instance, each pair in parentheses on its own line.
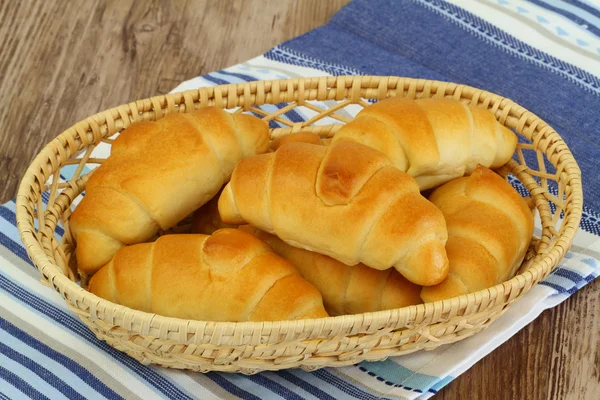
(251,347)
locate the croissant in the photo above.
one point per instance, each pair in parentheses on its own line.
(157,174)
(433,140)
(228,276)
(489,230)
(345,289)
(304,137)
(346,201)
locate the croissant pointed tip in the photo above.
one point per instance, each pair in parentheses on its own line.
(428,265)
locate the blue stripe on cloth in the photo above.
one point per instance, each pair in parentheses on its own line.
(398,375)
(292,115)
(569,290)
(312,379)
(589,278)
(241,381)
(238,77)
(9,227)
(82,373)
(571,13)
(9,391)
(559,289)
(272,124)
(558,281)
(271,108)
(230,387)
(74,325)
(20,384)
(17,249)
(585,6)
(215,80)
(315,391)
(289,56)
(46,376)
(568,274)
(227,77)
(344,386)
(273,386)
(244,77)
(30,377)
(60,231)
(431,32)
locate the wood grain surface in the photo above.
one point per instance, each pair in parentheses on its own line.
(63,60)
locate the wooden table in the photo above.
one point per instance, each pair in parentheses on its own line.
(63,60)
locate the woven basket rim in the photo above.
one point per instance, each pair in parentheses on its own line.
(63,284)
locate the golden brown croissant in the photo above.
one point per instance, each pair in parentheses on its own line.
(489,229)
(228,276)
(157,174)
(346,201)
(434,140)
(304,137)
(345,289)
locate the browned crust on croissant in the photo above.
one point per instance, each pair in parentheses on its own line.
(158,173)
(228,276)
(345,201)
(490,227)
(433,140)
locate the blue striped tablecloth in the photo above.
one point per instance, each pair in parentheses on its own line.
(544,54)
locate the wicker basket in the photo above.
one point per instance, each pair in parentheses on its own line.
(252,347)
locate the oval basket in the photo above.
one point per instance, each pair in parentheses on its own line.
(554,185)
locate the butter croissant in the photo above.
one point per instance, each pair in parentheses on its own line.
(157,174)
(346,201)
(489,230)
(228,276)
(433,140)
